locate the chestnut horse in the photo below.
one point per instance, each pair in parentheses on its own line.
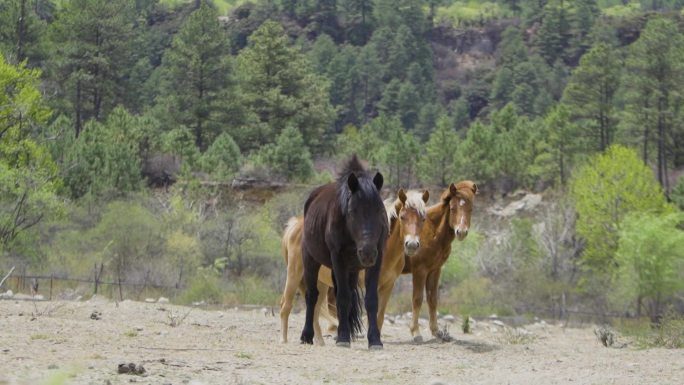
(345,229)
(446,220)
(406,216)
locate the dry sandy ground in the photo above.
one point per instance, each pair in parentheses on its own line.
(58,342)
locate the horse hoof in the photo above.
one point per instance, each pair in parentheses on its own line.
(418,339)
(375,347)
(343,344)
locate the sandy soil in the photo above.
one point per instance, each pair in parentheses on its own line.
(41,343)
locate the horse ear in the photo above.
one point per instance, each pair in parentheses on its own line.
(352,183)
(426,196)
(475,189)
(402,195)
(448,193)
(377,181)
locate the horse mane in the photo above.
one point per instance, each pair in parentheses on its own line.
(366,186)
(414,200)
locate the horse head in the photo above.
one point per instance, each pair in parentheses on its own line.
(365,215)
(460,198)
(410,210)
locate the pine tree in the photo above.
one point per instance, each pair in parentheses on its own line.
(590,95)
(89,54)
(437,165)
(654,78)
(289,155)
(197,78)
(280,90)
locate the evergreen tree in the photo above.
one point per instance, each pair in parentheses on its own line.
(197,77)
(280,90)
(90,52)
(654,78)
(222,159)
(590,95)
(553,36)
(21,30)
(289,155)
(437,165)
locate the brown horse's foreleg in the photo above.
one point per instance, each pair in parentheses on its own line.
(384,293)
(418,288)
(295,273)
(432,293)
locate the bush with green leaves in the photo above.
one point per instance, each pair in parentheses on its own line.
(605,190)
(650,259)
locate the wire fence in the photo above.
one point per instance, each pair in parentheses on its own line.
(49,287)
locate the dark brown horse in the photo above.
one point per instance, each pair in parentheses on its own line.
(345,229)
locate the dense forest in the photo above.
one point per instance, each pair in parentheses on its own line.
(169,141)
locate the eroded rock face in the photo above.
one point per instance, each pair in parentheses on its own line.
(527,203)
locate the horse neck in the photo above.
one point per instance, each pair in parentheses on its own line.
(438,215)
(394,239)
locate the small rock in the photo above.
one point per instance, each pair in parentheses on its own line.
(163,300)
(8,294)
(96,315)
(150,300)
(139,328)
(449,318)
(131,368)
(498,323)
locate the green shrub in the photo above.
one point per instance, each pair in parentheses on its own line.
(203,287)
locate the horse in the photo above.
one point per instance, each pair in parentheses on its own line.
(406,216)
(345,229)
(291,247)
(446,220)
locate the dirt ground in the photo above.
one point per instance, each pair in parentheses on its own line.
(59,343)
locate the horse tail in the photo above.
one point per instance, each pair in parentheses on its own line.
(356,313)
(287,235)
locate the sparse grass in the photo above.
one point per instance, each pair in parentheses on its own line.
(516,336)
(243,355)
(131,334)
(39,337)
(668,334)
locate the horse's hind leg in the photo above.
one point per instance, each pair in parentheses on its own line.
(311,268)
(295,272)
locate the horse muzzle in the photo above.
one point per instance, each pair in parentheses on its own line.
(368,256)
(411,245)
(461,233)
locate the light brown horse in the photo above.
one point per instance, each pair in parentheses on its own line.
(406,216)
(446,220)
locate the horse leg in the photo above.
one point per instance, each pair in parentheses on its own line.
(321,302)
(384,293)
(295,272)
(343,296)
(432,291)
(311,268)
(418,287)
(325,310)
(372,276)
